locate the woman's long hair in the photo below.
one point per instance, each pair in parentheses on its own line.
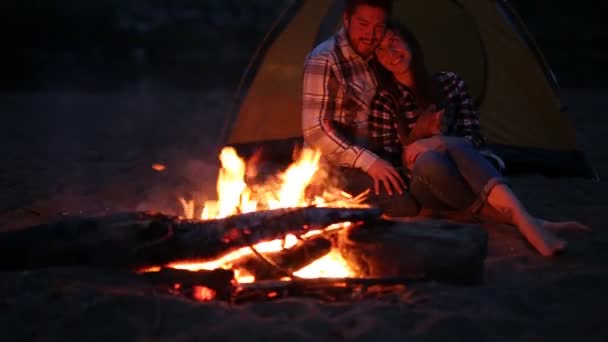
(424,88)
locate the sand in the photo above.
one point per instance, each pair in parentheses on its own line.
(91,153)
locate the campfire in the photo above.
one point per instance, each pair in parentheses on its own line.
(264,237)
(311,255)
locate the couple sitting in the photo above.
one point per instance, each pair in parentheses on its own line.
(387,124)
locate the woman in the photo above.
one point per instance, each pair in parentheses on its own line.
(461,178)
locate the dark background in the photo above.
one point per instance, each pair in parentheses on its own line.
(197,44)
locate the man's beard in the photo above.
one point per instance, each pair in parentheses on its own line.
(369,48)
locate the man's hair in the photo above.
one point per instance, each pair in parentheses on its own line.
(351,5)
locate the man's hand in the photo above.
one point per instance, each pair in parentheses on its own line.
(383,172)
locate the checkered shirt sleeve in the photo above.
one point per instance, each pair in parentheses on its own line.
(321,106)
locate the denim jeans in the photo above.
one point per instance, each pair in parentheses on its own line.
(454,176)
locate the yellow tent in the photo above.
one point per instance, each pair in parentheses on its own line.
(482,40)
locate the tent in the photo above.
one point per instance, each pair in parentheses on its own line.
(484,41)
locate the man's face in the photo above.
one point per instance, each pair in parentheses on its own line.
(365,28)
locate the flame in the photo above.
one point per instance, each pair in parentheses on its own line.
(332,265)
(286,190)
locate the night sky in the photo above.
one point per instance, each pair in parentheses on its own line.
(106,45)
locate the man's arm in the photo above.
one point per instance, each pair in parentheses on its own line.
(321,99)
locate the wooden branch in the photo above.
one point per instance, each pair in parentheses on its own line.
(137,240)
(286,261)
(328,289)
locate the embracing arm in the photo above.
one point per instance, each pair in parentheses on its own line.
(320,102)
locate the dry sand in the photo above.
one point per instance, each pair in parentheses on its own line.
(79,153)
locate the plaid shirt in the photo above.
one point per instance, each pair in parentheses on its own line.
(338,88)
(461,116)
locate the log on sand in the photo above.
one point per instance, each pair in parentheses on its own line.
(138,240)
(417,249)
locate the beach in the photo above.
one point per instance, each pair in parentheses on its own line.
(106,167)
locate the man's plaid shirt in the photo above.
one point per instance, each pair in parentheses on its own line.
(463,119)
(338,88)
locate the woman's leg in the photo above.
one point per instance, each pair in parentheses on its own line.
(437,184)
(504,200)
(487,182)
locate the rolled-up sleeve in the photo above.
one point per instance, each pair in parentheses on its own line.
(321,101)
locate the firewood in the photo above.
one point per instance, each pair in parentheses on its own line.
(136,240)
(418,249)
(327,289)
(220,281)
(285,262)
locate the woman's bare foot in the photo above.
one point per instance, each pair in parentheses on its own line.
(551,246)
(545,242)
(564,225)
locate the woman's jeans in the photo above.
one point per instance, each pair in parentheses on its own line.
(453,177)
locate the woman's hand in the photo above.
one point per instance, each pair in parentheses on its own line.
(383,172)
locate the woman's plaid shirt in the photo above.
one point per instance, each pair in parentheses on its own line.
(462,118)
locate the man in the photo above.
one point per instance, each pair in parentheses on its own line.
(338,88)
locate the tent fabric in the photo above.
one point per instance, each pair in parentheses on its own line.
(519,107)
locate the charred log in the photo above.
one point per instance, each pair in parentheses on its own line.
(136,240)
(220,281)
(286,262)
(424,250)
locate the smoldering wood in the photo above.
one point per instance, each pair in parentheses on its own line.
(137,240)
(328,289)
(416,249)
(286,262)
(219,280)
(170,276)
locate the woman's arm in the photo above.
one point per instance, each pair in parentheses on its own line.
(467,116)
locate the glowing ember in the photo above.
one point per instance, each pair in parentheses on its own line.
(331,265)
(159,167)
(203,293)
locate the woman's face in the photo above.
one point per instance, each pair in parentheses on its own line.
(393,53)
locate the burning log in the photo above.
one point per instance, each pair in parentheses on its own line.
(425,250)
(138,240)
(284,263)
